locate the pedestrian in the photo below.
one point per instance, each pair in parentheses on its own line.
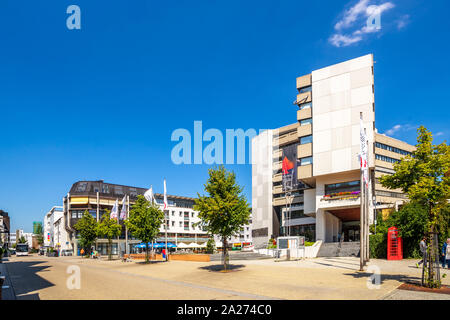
(446,254)
(82,252)
(423,251)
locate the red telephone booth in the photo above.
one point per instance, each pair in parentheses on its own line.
(394,245)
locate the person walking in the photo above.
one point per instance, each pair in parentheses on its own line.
(446,254)
(423,251)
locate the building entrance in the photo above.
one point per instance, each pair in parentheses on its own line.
(351,230)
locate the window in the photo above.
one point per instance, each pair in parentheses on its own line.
(306,89)
(186,225)
(81,187)
(386,159)
(118,190)
(173,223)
(133,192)
(74,214)
(173,213)
(342,187)
(392,149)
(306,161)
(305,106)
(181,214)
(306,139)
(181,224)
(105,188)
(192,215)
(305,122)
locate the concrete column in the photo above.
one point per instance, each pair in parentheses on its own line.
(320,225)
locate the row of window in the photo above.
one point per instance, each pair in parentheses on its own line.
(386,159)
(305,106)
(305,161)
(306,139)
(305,89)
(392,149)
(383,193)
(342,187)
(305,122)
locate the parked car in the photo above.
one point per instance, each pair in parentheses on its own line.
(66,252)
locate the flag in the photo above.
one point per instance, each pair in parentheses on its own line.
(148,195)
(115,209)
(363,153)
(123,212)
(166,205)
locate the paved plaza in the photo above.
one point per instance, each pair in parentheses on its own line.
(36,277)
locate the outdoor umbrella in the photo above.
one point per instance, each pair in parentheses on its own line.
(182,245)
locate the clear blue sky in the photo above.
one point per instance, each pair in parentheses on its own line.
(102,102)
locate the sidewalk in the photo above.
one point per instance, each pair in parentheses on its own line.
(7,289)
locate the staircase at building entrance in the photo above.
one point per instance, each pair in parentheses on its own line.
(339,249)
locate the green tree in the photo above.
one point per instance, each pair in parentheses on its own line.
(108,228)
(423,177)
(87,228)
(224,211)
(211,246)
(144,221)
(22,240)
(39,234)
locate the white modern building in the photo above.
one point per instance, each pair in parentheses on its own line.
(321,148)
(55,235)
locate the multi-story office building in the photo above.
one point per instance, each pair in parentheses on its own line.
(325,142)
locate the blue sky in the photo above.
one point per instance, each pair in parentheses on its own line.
(102,102)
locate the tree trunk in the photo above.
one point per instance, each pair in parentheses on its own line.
(109,249)
(433,279)
(146,252)
(224,244)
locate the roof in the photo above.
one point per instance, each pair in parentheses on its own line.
(106,189)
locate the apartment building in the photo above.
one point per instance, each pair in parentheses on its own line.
(321,149)
(54,233)
(4,229)
(97,196)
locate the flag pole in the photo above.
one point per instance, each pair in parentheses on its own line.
(361,215)
(166,204)
(127,250)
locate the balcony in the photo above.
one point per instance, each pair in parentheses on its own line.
(277,189)
(277,177)
(282,200)
(304,114)
(286,138)
(304,97)
(304,150)
(277,166)
(304,81)
(304,172)
(277,154)
(305,130)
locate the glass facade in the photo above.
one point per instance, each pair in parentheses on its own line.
(342,187)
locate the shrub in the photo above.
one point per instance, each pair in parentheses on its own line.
(378,246)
